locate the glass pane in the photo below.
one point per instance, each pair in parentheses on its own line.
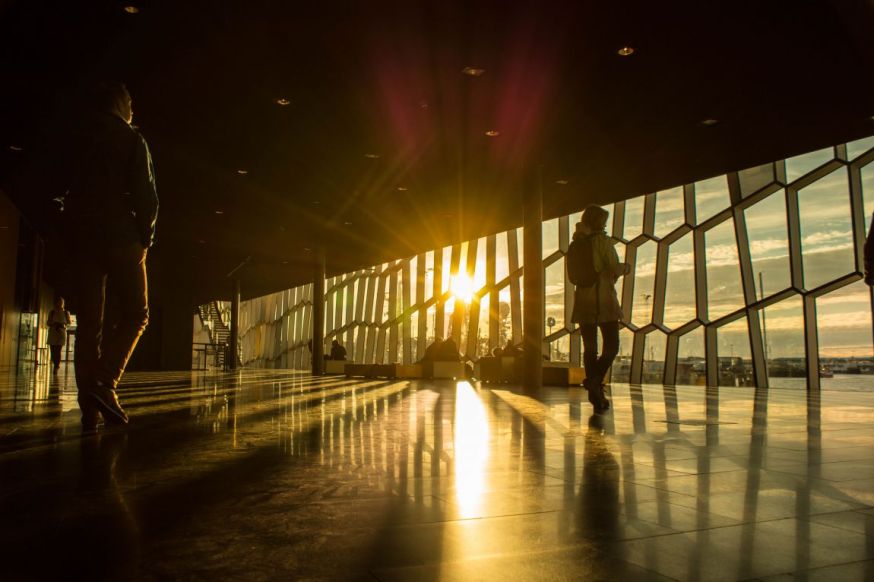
(690,359)
(502,261)
(859,147)
(446,273)
(711,196)
(806,163)
(754,179)
(769,244)
(429,275)
(505,326)
(846,347)
(554,283)
(550,237)
(644,280)
(620,284)
(633,218)
(724,290)
(733,351)
(680,287)
(868,193)
(654,357)
(482,342)
(520,245)
(559,350)
(826,229)
(430,323)
(669,212)
(783,336)
(621,370)
(414,281)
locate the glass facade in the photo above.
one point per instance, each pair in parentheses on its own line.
(752,277)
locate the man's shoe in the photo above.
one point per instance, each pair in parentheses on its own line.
(106,401)
(605,404)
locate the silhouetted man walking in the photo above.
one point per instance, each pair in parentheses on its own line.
(111,209)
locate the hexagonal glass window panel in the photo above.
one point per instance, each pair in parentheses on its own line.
(846,349)
(654,357)
(783,338)
(559,350)
(633,225)
(429,275)
(859,147)
(502,258)
(644,280)
(769,244)
(520,245)
(621,370)
(711,197)
(550,237)
(754,179)
(724,290)
(734,359)
(554,283)
(620,252)
(867,173)
(805,163)
(680,286)
(826,229)
(691,365)
(669,211)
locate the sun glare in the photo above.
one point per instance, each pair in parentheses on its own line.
(461,287)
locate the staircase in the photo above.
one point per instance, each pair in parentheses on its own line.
(219,331)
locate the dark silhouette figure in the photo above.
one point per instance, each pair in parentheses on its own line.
(596,306)
(869,255)
(432,350)
(338,352)
(111,208)
(59,319)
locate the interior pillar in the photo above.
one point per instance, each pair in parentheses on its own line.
(234,340)
(532,317)
(318,347)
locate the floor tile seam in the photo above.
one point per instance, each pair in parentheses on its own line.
(603,553)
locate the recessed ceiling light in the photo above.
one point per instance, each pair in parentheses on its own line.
(709,122)
(402,188)
(473,71)
(16,148)
(306,249)
(201,241)
(423,104)
(625,51)
(242,172)
(371,156)
(347,223)
(219,211)
(282,101)
(561,182)
(317,202)
(493,133)
(284,262)
(131,9)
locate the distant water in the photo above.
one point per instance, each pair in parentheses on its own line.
(844,382)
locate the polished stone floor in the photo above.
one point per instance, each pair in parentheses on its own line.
(276,475)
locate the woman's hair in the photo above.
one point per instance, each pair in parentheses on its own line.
(595,218)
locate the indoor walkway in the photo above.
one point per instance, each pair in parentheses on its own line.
(278,475)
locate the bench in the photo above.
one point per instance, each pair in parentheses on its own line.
(560,374)
(335,366)
(450,370)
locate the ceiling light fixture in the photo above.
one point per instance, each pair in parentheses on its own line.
(307,249)
(493,133)
(219,211)
(402,188)
(347,223)
(282,101)
(16,148)
(423,104)
(371,156)
(131,9)
(242,172)
(625,51)
(709,122)
(473,71)
(561,182)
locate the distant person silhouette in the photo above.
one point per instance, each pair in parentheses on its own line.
(869,255)
(58,320)
(111,209)
(338,352)
(594,267)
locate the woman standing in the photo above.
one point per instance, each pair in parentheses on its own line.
(594,267)
(59,319)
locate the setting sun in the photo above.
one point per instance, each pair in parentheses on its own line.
(461,287)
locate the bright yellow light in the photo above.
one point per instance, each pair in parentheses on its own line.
(471,450)
(461,287)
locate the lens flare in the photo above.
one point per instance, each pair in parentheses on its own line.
(461,287)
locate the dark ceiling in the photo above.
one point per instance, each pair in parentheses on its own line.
(382,151)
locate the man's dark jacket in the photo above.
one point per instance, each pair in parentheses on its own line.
(111,198)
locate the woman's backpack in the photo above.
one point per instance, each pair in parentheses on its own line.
(581,262)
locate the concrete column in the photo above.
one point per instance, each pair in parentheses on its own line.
(532,317)
(318,311)
(234,340)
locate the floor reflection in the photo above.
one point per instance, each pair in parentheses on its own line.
(262,473)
